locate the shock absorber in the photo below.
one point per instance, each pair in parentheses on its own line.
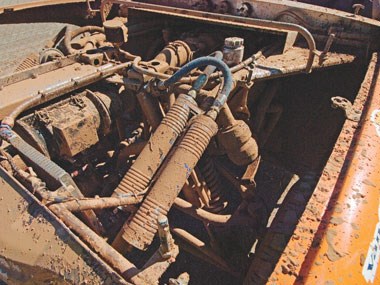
(217,202)
(143,226)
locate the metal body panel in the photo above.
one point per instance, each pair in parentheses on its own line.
(36,248)
(338,231)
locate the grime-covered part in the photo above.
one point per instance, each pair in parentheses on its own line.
(192,142)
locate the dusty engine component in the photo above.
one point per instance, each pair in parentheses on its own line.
(176,53)
(115,30)
(236,138)
(72,125)
(233,51)
(193,142)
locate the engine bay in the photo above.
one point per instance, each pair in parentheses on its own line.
(177,144)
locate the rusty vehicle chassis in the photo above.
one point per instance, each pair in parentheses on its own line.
(191,107)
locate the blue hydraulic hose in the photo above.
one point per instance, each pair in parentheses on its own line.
(202,79)
(205,61)
(211,68)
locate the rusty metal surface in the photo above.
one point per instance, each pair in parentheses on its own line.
(73,131)
(159,145)
(48,86)
(274,26)
(16,93)
(142,228)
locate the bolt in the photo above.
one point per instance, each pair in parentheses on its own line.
(357,8)
(244,10)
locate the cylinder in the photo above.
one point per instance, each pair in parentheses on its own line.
(217,202)
(141,172)
(233,51)
(143,226)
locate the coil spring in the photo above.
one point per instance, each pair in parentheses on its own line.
(217,202)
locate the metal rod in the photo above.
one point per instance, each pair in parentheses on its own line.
(204,249)
(200,214)
(127,269)
(99,203)
(165,236)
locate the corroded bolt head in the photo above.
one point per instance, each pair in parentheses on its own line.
(233,42)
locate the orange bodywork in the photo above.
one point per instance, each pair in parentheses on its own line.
(337,240)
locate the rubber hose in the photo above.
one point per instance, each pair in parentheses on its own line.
(204,61)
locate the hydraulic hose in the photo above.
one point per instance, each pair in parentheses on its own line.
(205,61)
(190,79)
(140,230)
(200,62)
(211,68)
(202,79)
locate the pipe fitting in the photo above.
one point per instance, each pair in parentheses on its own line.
(151,109)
